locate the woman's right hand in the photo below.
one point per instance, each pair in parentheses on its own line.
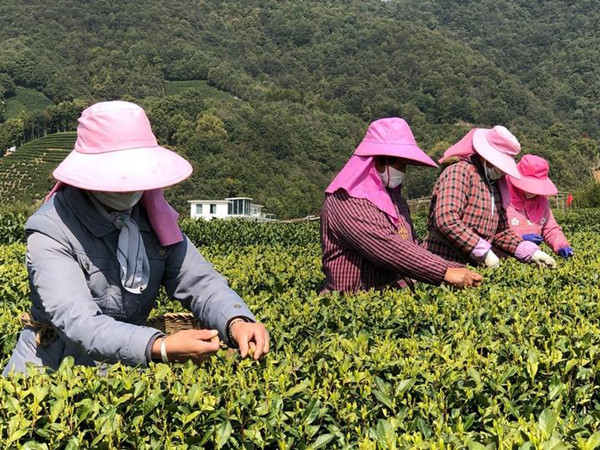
(462,277)
(491,260)
(195,345)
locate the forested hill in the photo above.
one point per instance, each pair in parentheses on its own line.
(308,77)
(553,47)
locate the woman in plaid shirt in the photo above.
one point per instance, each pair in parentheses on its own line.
(366,232)
(467,214)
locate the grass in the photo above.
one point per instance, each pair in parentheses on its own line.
(25,99)
(177,87)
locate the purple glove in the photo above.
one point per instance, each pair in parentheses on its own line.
(565,252)
(480,250)
(525,251)
(532,237)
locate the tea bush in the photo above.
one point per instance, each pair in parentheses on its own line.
(12,227)
(512,364)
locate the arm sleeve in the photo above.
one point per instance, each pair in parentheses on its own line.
(361,226)
(193,281)
(553,233)
(505,238)
(59,285)
(451,190)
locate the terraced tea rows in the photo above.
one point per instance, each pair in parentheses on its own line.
(26,174)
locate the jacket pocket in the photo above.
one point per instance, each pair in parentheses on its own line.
(100,275)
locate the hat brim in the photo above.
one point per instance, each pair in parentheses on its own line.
(502,161)
(135,169)
(535,185)
(411,153)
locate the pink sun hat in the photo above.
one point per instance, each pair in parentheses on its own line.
(534,176)
(498,146)
(116,151)
(392,137)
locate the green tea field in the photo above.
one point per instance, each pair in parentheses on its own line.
(25,99)
(27,173)
(512,364)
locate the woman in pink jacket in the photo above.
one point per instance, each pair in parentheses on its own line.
(529,213)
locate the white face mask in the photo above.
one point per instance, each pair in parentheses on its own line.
(119,201)
(492,174)
(391,178)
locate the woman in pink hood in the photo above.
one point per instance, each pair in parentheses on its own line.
(366,232)
(529,213)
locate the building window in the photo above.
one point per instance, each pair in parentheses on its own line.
(213,208)
(198,210)
(240,206)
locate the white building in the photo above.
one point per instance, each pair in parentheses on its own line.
(234,207)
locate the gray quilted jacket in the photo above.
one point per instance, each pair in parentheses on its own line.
(75,287)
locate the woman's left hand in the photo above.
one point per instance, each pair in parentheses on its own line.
(251,338)
(537,239)
(565,252)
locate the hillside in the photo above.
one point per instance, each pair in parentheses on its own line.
(26,175)
(202,86)
(357,56)
(552,47)
(25,100)
(311,76)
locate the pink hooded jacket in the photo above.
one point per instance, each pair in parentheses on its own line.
(534,216)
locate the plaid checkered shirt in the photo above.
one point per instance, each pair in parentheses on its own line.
(363,249)
(461,212)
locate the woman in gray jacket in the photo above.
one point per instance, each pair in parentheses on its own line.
(102,245)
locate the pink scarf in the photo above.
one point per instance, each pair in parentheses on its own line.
(359,179)
(534,208)
(162,216)
(464,149)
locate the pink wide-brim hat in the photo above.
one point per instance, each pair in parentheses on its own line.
(498,146)
(534,176)
(392,137)
(116,151)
